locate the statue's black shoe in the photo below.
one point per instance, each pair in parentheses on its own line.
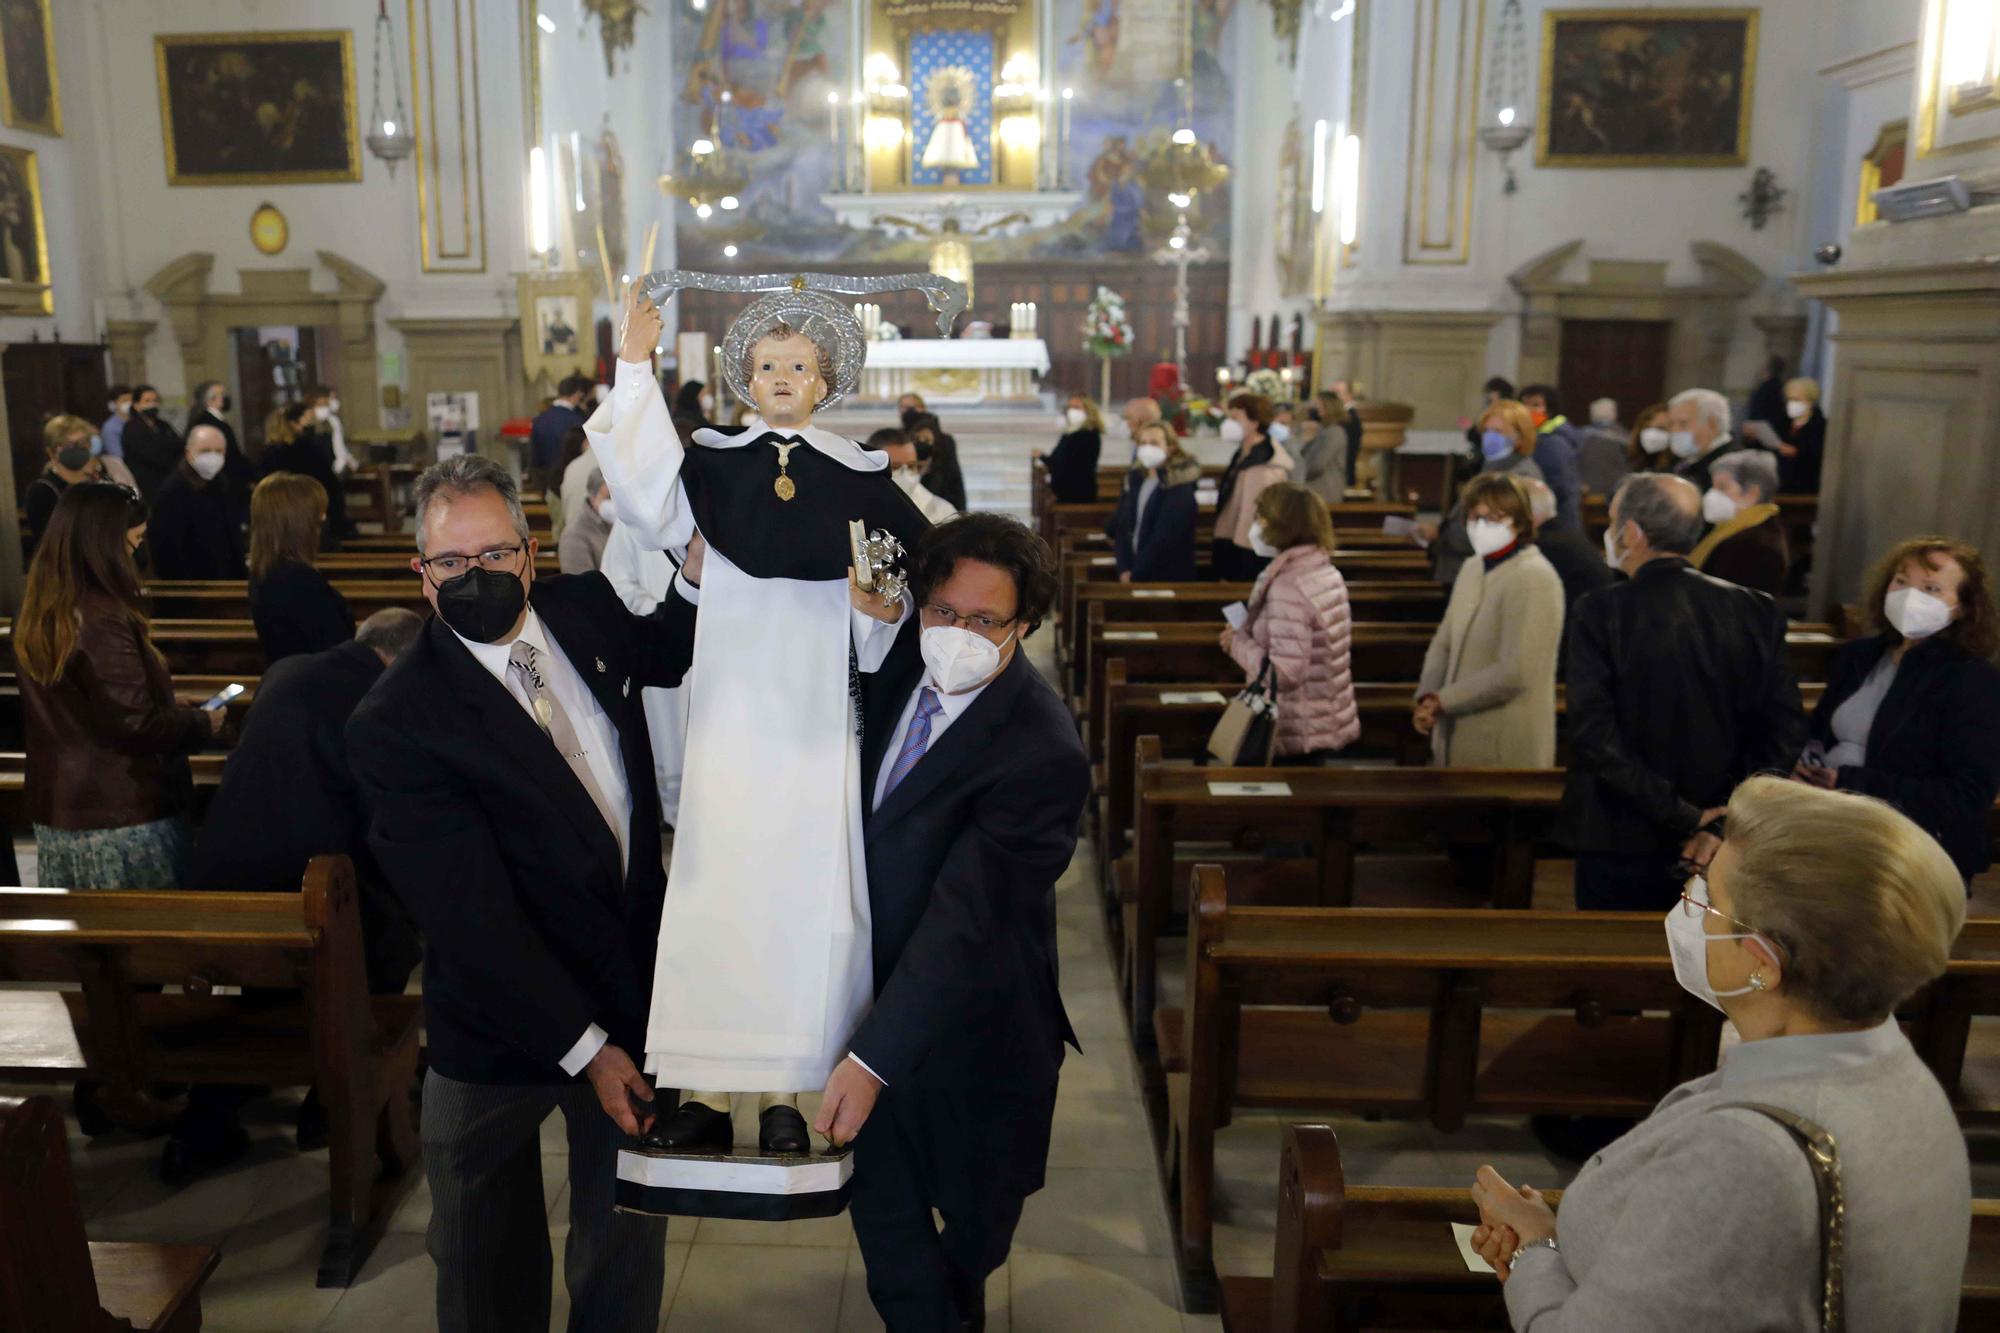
(692,1128)
(781,1129)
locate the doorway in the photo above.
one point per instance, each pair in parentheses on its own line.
(275,364)
(1621,359)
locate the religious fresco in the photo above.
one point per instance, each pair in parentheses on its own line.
(753,77)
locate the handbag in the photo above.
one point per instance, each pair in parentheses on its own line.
(1247,733)
(1825,1162)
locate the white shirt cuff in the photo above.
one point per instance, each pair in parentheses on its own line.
(871,1073)
(630,377)
(587,1046)
(690,592)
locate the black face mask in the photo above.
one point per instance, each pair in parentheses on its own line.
(141,555)
(73,456)
(481,604)
(150,413)
(910,414)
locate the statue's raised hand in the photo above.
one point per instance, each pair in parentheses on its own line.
(643,326)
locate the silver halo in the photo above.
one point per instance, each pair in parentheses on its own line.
(831,326)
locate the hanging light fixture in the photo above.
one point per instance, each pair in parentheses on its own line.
(389,136)
(1504,122)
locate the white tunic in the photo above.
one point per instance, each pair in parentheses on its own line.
(764,968)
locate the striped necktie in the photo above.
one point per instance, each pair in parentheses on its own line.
(917,740)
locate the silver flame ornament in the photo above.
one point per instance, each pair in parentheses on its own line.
(875,557)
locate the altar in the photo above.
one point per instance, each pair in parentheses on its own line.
(956,370)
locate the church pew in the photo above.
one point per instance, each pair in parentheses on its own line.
(227,600)
(309,1020)
(1060,518)
(1798,513)
(51,1275)
(194,647)
(193,689)
(394,564)
(206,767)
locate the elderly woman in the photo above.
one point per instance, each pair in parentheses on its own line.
(1506,444)
(1747,544)
(1912,713)
(1804,444)
(1707,1214)
(1487,695)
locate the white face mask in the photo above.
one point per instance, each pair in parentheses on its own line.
(1682,443)
(1075,418)
(1280,431)
(1257,542)
(1915,613)
(1653,440)
(1232,431)
(958,659)
(1611,555)
(1488,535)
(608,511)
(322,412)
(1717,507)
(333,405)
(707,402)
(1688,941)
(206,465)
(1151,456)
(1798,409)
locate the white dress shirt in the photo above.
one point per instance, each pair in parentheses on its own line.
(950,707)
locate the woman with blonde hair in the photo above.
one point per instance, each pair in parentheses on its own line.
(292,605)
(107,778)
(1299,626)
(1506,445)
(294,443)
(1803,446)
(1072,464)
(1820,914)
(72,447)
(1487,693)
(1153,528)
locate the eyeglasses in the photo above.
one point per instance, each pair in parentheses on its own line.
(944,615)
(500,560)
(1694,902)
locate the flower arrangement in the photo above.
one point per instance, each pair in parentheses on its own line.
(1106,330)
(1195,413)
(1267,382)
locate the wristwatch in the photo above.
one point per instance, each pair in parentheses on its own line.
(1542,1243)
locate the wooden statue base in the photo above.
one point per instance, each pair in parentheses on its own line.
(743,1185)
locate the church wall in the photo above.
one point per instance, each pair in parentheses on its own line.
(58,160)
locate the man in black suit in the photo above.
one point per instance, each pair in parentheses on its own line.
(211,405)
(508,777)
(975,781)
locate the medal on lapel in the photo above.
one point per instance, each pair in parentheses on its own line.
(784,485)
(545,712)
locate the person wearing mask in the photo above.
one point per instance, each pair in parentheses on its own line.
(71,447)
(1349,417)
(325,403)
(292,605)
(1322,448)
(152,447)
(1698,433)
(1648,449)
(1911,713)
(1072,464)
(943,477)
(295,442)
(1487,693)
(112,430)
(1578,562)
(1767,400)
(1679,688)
(1746,545)
(107,781)
(1496,388)
(1506,445)
(1152,530)
(1281,425)
(1556,452)
(1819,917)
(1601,462)
(1298,623)
(211,408)
(910,462)
(909,407)
(551,426)
(581,549)
(1237,555)
(1139,412)
(693,409)
(574,494)
(196,531)
(1801,439)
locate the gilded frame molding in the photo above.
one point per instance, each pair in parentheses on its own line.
(53,125)
(30,298)
(472,160)
(1934,101)
(573,285)
(1545,89)
(1889,136)
(163,42)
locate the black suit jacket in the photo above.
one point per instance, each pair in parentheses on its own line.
(484,833)
(1934,747)
(152,450)
(288,795)
(234,461)
(1164,549)
(311,455)
(296,610)
(195,531)
(1679,688)
(963,858)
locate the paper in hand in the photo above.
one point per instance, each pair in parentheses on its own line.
(1395,525)
(1237,614)
(1462,1233)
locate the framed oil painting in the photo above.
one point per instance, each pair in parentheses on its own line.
(1646,87)
(258,108)
(557,336)
(29,96)
(24,241)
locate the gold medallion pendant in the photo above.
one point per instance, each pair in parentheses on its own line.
(784,485)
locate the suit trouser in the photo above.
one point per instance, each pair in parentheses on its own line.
(489,1229)
(973,1154)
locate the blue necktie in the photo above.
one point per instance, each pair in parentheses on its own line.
(917,740)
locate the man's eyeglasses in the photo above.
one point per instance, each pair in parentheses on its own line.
(500,560)
(944,615)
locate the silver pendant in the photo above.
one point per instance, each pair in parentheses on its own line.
(600,666)
(626,688)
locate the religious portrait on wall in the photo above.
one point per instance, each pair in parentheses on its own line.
(24,250)
(1644,88)
(241,108)
(28,88)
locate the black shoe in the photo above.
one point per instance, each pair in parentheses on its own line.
(781,1130)
(185,1159)
(692,1128)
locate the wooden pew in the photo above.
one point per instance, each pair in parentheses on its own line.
(195,647)
(13,728)
(1057,519)
(320,1026)
(395,563)
(53,1278)
(206,766)
(224,600)
(1353,1256)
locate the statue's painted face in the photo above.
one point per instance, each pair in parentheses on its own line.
(785,380)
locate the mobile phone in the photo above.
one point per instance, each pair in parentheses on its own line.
(224,697)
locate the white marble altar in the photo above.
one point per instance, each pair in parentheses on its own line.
(956,370)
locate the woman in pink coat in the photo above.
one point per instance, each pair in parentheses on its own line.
(1299,622)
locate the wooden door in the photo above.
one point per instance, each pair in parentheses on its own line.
(1621,359)
(41,380)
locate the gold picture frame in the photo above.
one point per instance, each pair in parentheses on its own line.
(1565,34)
(557,331)
(1887,156)
(220,128)
(24,241)
(15,89)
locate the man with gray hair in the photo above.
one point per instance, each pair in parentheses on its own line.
(508,776)
(1679,688)
(1698,433)
(1747,543)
